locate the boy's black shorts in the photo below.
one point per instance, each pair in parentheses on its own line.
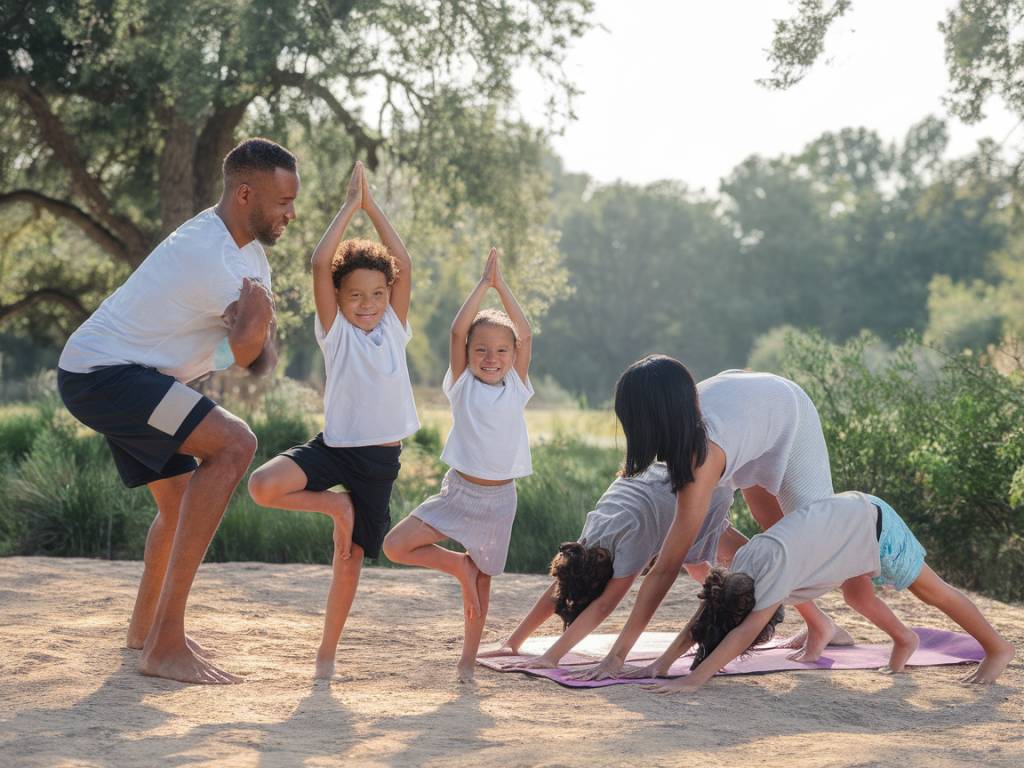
(367,471)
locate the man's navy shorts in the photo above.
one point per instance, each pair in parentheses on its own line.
(144,414)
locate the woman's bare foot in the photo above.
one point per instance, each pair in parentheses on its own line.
(903,648)
(465,672)
(324,669)
(183,665)
(467,578)
(991,666)
(344,520)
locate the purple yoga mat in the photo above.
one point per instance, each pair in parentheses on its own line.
(937,647)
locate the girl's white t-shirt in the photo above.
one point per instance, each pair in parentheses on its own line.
(368,396)
(488,438)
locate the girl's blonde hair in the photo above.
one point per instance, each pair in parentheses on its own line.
(495,319)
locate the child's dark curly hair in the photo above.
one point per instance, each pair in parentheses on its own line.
(362,254)
(581,575)
(726,600)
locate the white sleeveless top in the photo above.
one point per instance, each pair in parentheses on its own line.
(368,396)
(488,438)
(771,435)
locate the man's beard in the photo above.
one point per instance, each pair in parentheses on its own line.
(262,228)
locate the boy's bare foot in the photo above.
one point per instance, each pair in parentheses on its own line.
(991,666)
(464,672)
(903,648)
(467,578)
(344,520)
(184,666)
(324,669)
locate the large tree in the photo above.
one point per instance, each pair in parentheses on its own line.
(116,113)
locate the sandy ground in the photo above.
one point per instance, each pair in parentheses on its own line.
(69,694)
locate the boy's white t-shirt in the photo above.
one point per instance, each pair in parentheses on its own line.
(812,551)
(168,314)
(488,438)
(368,396)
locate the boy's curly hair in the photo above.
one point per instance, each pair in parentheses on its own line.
(581,575)
(495,319)
(726,600)
(362,254)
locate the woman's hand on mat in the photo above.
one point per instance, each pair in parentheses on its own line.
(540,662)
(675,686)
(609,668)
(503,649)
(654,669)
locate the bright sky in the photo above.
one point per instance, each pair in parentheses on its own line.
(669,87)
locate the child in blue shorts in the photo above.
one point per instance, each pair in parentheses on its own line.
(847,539)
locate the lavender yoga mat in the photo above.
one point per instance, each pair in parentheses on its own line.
(937,647)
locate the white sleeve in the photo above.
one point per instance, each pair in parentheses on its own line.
(332,340)
(223,282)
(402,331)
(524,389)
(452,389)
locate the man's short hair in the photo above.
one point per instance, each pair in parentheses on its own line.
(257,154)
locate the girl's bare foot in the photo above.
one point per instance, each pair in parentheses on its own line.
(467,578)
(991,666)
(136,644)
(840,637)
(324,669)
(464,672)
(903,648)
(183,665)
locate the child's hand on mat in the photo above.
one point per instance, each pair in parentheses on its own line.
(676,686)
(608,669)
(354,193)
(540,662)
(503,649)
(654,669)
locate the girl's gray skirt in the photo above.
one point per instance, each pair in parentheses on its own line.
(479,517)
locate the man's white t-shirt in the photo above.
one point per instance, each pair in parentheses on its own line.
(168,314)
(488,438)
(368,397)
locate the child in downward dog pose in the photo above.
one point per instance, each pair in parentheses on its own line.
(362,291)
(843,539)
(487,449)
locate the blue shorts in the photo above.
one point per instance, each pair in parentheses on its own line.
(144,414)
(900,553)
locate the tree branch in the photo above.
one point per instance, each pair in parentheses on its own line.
(93,229)
(214,142)
(39,296)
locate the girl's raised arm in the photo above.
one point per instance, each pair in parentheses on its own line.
(464,319)
(323,284)
(524,342)
(401,289)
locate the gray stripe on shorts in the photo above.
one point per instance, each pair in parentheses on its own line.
(172,410)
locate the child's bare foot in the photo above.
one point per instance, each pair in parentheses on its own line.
(467,578)
(136,644)
(815,641)
(344,520)
(991,666)
(324,669)
(840,637)
(183,665)
(903,648)
(465,672)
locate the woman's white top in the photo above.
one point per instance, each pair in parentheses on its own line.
(168,314)
(488,438)
(632,518)
(368,396)
(812,551)
(771,435)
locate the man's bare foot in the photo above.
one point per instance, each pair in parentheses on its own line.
(991,666)
(465,672)
(467,578)
(903,648)
(344,520)
(324,669)
(186,667)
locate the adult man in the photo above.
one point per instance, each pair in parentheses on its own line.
(123,373)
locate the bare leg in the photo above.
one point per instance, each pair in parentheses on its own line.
(413,542)
(821,630)
(225,446)
(474,630)
(344,580)
(859,593)
(931,589)
(730,541)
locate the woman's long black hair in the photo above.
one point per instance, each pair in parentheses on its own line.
(656,402)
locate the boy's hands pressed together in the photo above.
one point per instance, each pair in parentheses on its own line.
(356,184)
(368,202)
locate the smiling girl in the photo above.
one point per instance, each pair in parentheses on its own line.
(487,448)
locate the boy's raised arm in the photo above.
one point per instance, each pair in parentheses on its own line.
(401,289)
(464,319)
(324,294)
(524,344)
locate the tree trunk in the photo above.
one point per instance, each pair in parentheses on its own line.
(215,141)
(175,183)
